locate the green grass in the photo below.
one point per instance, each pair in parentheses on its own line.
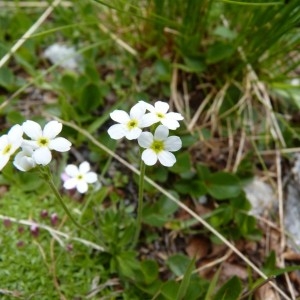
(226,66)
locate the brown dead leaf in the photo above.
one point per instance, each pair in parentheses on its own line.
(266,292)
(291,255)
(218,250)
(197,247)
(229,270)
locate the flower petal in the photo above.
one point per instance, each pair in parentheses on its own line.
(52,129)
(148,120)
(162,107)
(32,129)
(175,116)
(133,133)
(161,133)
(170,123)
(166,158)
(71,170)
(82,187)
(60,144)
(116,131)
(23,161)
(148,106)
(137,111)
(70,183)
(149,157)
(4,141)
(173,143)
(84,167)
(15,134)
(3,160)
(42,156)
(120,116)
(145,139)
(29,144)
(91,177)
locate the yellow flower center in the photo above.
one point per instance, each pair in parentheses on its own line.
(160,115)
(43,142)
(79,177)
(157,146)
(132,124)
(7,149)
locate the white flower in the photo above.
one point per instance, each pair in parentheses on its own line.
(129,125)
(42,141)
(79,177)
(23,160)
(9,143)
(159,146)
(62,55)
(159,113)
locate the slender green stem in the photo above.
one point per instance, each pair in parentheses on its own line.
(140,203)
(47,176)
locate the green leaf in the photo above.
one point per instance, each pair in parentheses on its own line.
(192,187)
(225,32)
(6,78)
(155,219)
(222,185)
(183,163)
(212,286)
(231,290)
(219,51)
(127,263)
(90,98)
(203,171)
(170,289)
(150,270)
(193,64)
(178,264)
(159,213)
(185,281)
(270,263)
(68,83)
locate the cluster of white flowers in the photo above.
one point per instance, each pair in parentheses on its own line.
(64,56)
(158,146)
(36,151)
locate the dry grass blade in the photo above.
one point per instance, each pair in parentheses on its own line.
(179,203)
(55,233)
(120,42)
(32,4)
(29,32)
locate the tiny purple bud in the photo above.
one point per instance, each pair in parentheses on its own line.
(54,219)
(7,223)
(34,229)
(69,248)
(20,229)
(44,214)
(20,244)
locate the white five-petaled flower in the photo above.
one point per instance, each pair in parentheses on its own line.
(159,146)
(43,141)
(79,178)
(9,143)
(159,113)
(129,124)
(23,160)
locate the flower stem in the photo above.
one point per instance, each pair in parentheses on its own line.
(47,176)
(140,203)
